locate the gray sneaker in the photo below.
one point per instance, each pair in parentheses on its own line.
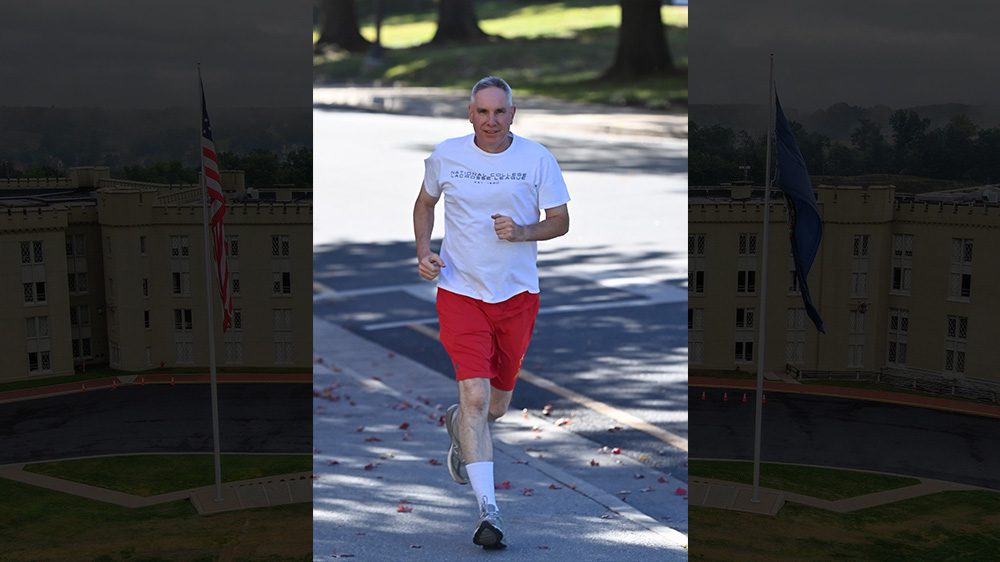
(456,464)
(490,532)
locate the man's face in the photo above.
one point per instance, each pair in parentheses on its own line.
(491,117)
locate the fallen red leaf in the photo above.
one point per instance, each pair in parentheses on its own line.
(404,508)
(680,491)
(435,462)
(564,421)
(593,462)
(505,485)
(372,439)
(404,425)
(370,466)
(616,451)
(527,491)
(662,480)
(440,421)
(554,487)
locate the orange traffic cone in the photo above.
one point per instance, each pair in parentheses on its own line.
(763,398)
(703,397)
(744,397)
(172,382)
(725,397)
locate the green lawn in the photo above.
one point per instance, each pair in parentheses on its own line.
(943,526)
(40,524)
(557,49)
(823,483)
(149,475)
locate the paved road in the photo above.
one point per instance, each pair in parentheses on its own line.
(850,434)
(613,309)
(157,418)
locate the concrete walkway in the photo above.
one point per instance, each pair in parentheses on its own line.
(242,494)
(382,491)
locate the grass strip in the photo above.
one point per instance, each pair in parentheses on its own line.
(150,475)
(823,483)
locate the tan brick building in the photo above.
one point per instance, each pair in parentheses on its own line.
(104,271)
(901,282)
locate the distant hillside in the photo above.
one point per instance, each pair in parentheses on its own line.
(66,137)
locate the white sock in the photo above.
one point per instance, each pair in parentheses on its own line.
(481,478)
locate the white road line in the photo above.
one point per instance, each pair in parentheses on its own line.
(602,408)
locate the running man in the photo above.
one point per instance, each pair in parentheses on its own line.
(496,185)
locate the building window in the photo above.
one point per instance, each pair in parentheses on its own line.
(279,245)
(856,339)
(696,282)
(793,283)
(233,245)
(145,319)
(39,362)
(179,247)
(696,335)
(744,317)
(747,244)
(180,282)
(142,245)
(145,287)
(32,252)
(861,243)
(744,351)
(795,335)
(234,277)
(860,265)
(954,344)
(899,327)
(237,324)
(37,327)
(34,292)
(696,244)
(182,320)
(746,281)
(281,283)
(960,280)
(79,315)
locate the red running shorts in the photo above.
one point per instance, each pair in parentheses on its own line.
(487,340)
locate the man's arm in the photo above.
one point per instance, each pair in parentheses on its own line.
(430,264)
(555,224)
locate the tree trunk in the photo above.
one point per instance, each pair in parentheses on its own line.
(340,27)
(457,23)
(642,46)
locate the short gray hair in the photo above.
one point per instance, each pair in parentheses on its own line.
(492,82)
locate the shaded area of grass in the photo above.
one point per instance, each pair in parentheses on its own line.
(555,49)
(149,475)
(823,483)
(40,524)
(943,526)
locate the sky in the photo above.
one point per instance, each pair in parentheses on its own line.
(898,53)
(143,53)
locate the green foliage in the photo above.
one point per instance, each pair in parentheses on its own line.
(149,475)
(557,49)
(823,483)
(958,151)
(161,172)
(266,169)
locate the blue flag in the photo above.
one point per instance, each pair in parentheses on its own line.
(805,226)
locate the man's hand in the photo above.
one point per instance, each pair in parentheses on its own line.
(430,266)
(507,229)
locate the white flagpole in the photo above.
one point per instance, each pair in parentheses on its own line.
(762,314)
(211,323)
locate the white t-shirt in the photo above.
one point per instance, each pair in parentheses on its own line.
(519,183)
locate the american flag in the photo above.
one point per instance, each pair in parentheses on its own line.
(217,211)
